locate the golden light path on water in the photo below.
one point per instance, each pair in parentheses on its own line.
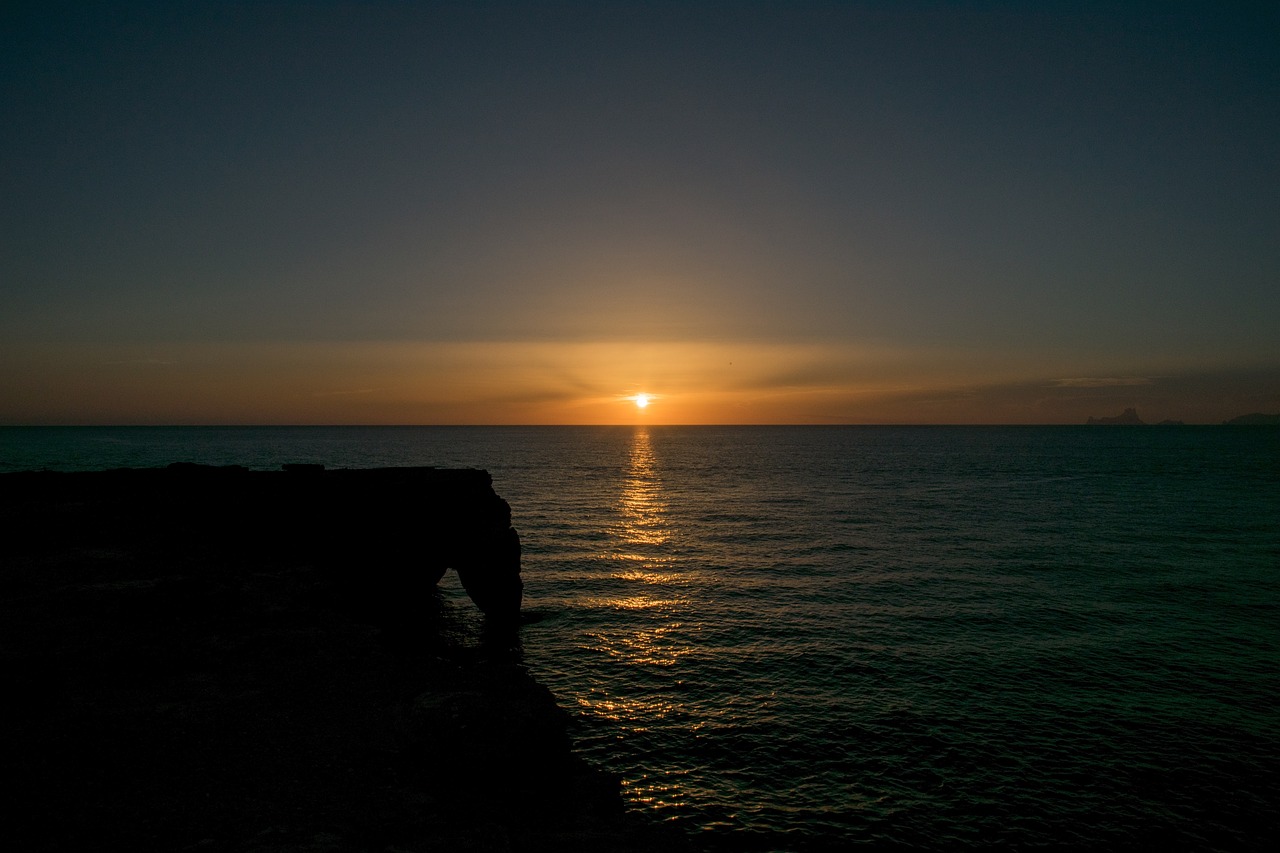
(639,545)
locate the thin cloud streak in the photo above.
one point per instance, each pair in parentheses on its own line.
(1103,382)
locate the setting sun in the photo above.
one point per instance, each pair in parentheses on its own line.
(642,400)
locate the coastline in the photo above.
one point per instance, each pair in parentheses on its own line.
(197,689)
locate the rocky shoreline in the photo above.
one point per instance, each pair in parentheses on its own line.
(188,671)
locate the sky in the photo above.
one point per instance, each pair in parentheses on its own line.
(752,212)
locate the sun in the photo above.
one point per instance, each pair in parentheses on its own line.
(643,400)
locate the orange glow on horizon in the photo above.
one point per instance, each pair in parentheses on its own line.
(571,383)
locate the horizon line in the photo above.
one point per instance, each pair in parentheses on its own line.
(607,425)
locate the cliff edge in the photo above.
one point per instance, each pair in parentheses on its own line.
(254,661)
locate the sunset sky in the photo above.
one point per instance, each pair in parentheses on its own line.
(476,213)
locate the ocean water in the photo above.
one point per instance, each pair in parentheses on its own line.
(795,638)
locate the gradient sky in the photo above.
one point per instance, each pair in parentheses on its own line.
(911,212)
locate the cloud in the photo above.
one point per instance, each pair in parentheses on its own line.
(1102,382)
(140,361)
(343,393)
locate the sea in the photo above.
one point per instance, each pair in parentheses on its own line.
(807,638)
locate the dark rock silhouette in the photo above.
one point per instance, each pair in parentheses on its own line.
(221,659)
(386,535)
(1254,419)
(404,527)
(1129,417)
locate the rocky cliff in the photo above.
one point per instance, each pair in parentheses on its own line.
(221,659)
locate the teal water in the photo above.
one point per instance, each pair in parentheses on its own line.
(800,637)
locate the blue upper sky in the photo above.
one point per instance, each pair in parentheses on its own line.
(876,211)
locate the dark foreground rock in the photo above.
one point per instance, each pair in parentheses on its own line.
(387,534)
(197,668)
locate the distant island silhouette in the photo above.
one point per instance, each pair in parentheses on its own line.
(1254,419)
(1129,417)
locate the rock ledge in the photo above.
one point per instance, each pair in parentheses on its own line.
(223,659)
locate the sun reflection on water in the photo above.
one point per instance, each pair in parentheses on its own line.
(642,506)
(651,584)
(659,646)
